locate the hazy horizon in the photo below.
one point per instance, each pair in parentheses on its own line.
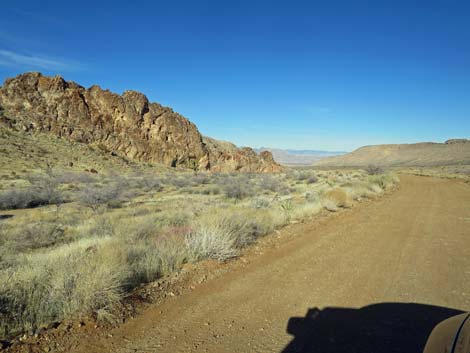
(305,75)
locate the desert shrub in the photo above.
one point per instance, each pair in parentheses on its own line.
(135,227)
(374,170)
(269,182)
(286,205)
(173,218)
(337,197)
(304,176)
(33,235)
(311,179)
(238,191)
(384,181)
(378,180)
(43,191)
(115,203)
(96,196)
(300,175)
(261,202)
(211,190)
(148,183)
(74,178)
(200,179)
(360,190)
(311,196)
(30,197)
(14,199)
(180,182)
(103,226)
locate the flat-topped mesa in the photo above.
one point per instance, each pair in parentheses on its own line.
(457,141)
(423,154)
(126,124)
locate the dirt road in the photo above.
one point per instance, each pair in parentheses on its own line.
(354,270)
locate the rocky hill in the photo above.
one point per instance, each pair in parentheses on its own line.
(127,125)
(226,157)
(425,154)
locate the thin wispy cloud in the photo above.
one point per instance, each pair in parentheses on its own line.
(13,59)
(7,39)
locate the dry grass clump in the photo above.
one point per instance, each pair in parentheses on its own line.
(362,191)
(305,210)
(149,260)
(336,198)
(221,234)
(49,286)
(31,236)
(384,181)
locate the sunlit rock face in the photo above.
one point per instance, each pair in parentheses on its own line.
(127,124)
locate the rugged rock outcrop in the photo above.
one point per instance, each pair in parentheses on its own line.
(126,124)
(226,157)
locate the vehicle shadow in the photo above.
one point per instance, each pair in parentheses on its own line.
(376,328)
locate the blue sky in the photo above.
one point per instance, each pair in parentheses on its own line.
(330,75)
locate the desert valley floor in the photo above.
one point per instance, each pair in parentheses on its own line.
(376,278)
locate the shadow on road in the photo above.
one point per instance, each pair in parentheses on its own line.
(377,328)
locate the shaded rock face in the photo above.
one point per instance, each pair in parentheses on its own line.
(126,124)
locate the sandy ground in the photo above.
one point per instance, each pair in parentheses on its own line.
(343,283)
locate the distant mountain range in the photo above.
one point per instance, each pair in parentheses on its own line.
(294,157)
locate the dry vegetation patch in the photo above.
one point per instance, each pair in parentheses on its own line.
(95,237)
(335,198)
(461,172)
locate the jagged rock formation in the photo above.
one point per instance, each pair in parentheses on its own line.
(128,125)
(424,154)
(226,157)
